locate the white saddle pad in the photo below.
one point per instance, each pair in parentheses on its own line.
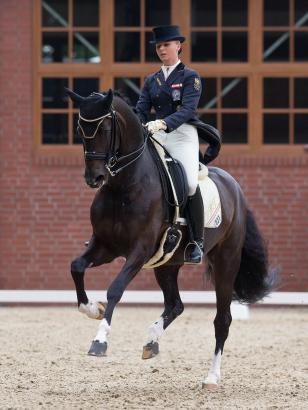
(211,200)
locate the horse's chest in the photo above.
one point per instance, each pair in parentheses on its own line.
(117,214)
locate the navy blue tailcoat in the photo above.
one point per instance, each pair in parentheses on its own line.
(175,101)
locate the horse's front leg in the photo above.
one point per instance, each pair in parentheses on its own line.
(131,267)
(95,255)
(166,277)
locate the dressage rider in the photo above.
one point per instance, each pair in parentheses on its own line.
(174,92)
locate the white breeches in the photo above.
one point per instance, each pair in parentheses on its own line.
(183,145)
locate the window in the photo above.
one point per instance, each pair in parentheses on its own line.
(224,105)
(285,34)
(133,21)
(285,110)
(251,55)
(70,31)
(285,41)
(59,119)
(219,30)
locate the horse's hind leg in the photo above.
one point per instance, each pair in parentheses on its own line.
(166,277)
(95,255)
(226,267)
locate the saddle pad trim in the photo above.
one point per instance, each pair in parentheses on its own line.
(156,260)
(211,201)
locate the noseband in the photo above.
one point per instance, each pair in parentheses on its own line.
(113,161)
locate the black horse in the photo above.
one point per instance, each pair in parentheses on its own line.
(128,216)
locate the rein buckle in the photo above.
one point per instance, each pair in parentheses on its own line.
(112,173)
(112,162)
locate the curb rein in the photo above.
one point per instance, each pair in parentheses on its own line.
(111,159)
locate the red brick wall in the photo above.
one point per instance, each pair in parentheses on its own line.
(44,204)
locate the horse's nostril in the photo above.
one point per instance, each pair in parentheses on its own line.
(94,181)
(100,180)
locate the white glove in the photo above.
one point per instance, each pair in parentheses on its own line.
(155,126)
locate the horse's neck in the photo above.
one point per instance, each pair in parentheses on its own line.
(131,177)
(132,139)
(132,136)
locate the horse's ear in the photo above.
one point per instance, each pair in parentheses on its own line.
(109,97)
(73,96)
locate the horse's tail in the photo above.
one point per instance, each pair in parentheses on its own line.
(254,280)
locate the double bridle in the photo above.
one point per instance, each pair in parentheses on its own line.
(112,159)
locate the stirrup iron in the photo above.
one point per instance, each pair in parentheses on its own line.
(193,253)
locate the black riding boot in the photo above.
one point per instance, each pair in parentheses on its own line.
(195,223)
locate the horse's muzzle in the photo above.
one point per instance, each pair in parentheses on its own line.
(95,182)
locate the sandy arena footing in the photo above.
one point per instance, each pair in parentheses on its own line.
(44,364)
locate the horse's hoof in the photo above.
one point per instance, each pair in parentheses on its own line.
(150,350)
(94,310)
(98,349)
(101,309)
(210,386)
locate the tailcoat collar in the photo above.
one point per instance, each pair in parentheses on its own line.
(174,74)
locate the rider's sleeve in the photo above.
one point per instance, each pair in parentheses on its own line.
(144,103)
(191,94)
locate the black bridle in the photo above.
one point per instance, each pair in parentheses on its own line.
(113,160)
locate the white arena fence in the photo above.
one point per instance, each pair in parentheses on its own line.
(239,311)
(140,296)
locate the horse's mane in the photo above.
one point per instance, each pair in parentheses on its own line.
(127,100)
(120,94)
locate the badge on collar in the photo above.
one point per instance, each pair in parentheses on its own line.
(176,94)
(197,84)
(158,80)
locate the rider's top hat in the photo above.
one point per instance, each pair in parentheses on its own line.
(166,33)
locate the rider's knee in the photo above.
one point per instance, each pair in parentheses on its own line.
(78,265)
